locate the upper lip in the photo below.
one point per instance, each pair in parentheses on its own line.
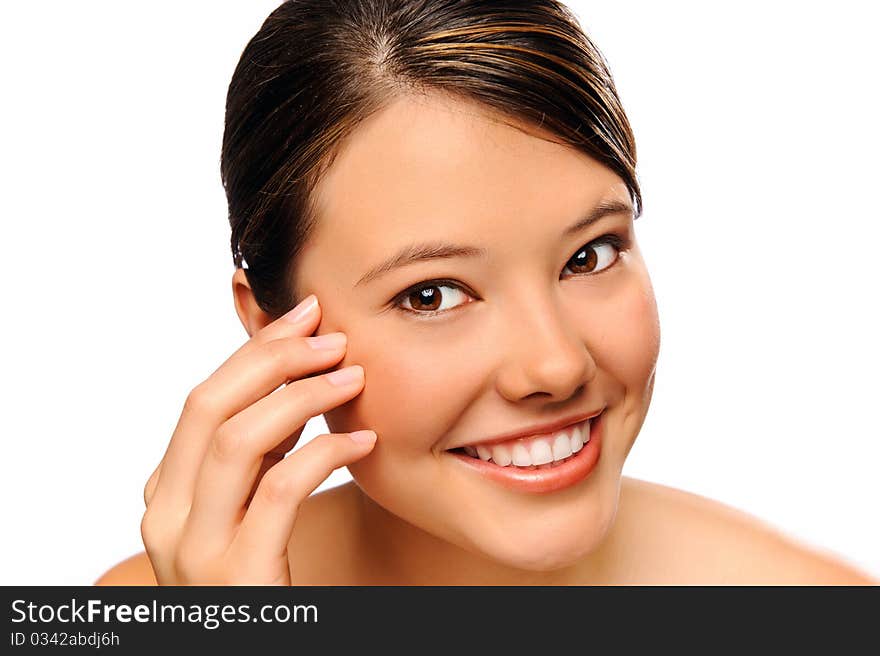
(535,429)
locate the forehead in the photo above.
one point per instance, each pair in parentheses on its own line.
(438,168)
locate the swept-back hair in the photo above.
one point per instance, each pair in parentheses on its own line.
(317,68)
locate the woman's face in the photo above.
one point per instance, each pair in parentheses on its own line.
(523,334)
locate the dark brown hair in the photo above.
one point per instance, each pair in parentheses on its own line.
(316,68)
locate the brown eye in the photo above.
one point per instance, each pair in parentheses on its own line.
(595,256)
(429,299)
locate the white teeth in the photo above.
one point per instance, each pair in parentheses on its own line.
(521,456)
(561,446)
(501,455)
(577,443)
(541,452)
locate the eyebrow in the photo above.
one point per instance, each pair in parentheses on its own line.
(434,250)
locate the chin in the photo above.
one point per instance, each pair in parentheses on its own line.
(539,533)
(545,547)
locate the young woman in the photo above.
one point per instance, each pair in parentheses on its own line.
(432,206)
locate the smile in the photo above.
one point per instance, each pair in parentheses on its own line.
(542,463)
(539,451)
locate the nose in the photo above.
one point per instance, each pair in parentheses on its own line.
(544,355)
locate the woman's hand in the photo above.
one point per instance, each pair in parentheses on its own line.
(221,505)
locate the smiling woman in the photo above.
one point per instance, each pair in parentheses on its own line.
(445,193)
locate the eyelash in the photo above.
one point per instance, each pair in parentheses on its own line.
(620,244)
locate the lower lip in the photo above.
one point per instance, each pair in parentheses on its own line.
(548,479)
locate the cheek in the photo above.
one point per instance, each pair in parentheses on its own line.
(412,398)
(410,392)
(409,397)
(628,341)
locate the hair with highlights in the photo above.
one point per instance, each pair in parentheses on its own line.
(317,68)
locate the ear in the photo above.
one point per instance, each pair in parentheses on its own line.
(251,315)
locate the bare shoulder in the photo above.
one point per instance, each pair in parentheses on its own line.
(315,545)
(135,570)
(696,540)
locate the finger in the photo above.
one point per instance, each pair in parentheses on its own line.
(301,320)
(267,526)
(232,388)
(233,459)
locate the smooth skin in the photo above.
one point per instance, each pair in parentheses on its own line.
(521,339)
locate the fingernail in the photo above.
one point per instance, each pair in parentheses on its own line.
(363,436)
(328,341)
(303,309)
(345,376)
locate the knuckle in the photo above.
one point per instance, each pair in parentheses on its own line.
(151,530)
(200,401)
(304,395)
(228,442)
(330,442)
(150,486)
(277,353)
(277,487)
(322,441)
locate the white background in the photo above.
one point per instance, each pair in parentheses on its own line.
(756,126)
